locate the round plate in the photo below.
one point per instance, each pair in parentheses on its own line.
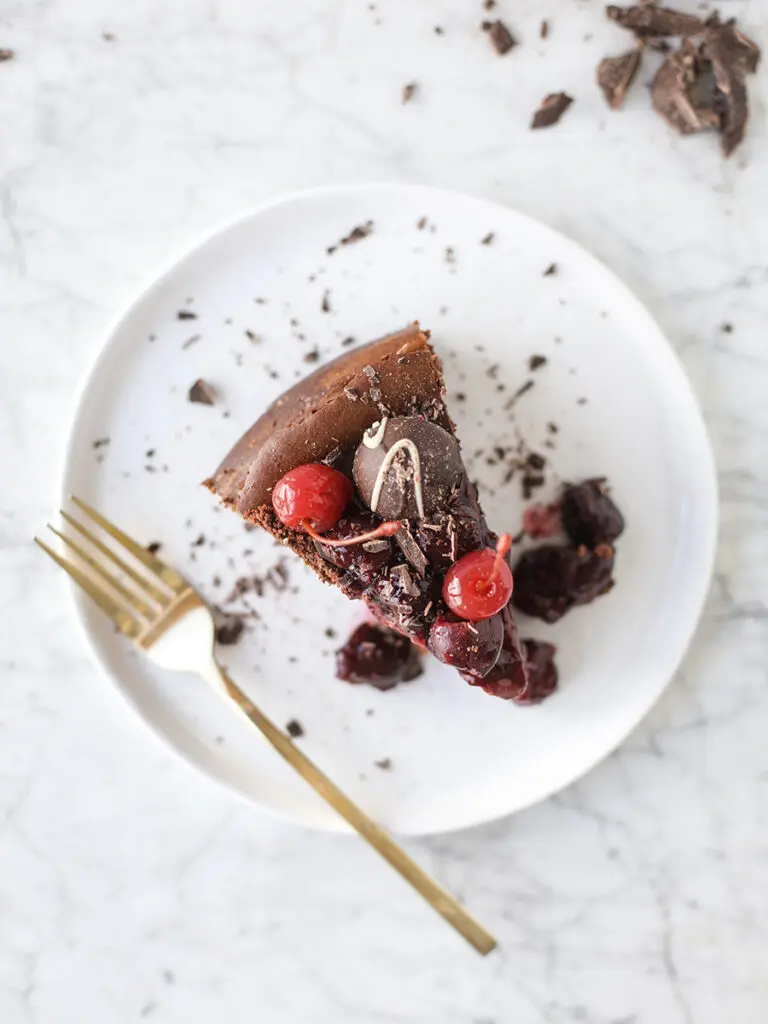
(253,308)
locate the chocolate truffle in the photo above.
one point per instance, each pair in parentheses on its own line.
(406,468)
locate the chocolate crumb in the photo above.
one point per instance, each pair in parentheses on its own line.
(518,394)
(488,240)
(312,356)
(252,336)
(450,255)
(421,223)
(325,305)
(294,729)
(536,361)
(551,109)
(409,91)
(460,396)
(150,453)
(191,341)
(501,38)
(330,632)
(186,314)
(355,235)
(100,442)
(198,542)
(108,37)
(347,342)
(726,328)
(489,4)
(550,271)
(552,428)
(544,29)
(581,401)
(616,74)
(230,630)
(439,30)
(536,461)
(154,547)
(385,764)
(202,393)
(7,55)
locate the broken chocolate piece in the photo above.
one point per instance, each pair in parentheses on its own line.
(295,729)
(675,95)
(536,361)
(551,110)
(501,38)
(732,56)
(648,20)
(379,656)
(616,74)
(202,393)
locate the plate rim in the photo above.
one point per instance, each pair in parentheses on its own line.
(709,511)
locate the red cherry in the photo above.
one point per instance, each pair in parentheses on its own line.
(314,495)
(480,584)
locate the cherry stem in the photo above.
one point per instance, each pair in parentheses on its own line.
(503,544)
(388,529)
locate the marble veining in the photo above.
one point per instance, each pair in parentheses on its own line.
(131,888)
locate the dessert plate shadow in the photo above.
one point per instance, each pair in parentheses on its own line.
(257,305)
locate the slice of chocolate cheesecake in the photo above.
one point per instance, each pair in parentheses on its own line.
(363,451)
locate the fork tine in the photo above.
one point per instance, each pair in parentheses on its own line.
(121,618)
(133,600)
(154,592)
(169,576)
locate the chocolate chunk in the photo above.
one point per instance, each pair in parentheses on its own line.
(348,342)
(312,356)
(409,91)
(100,442)
(7,55)
(230,630)
(677,95)
(411,550)
(536,361)
(616,74)
(544,29)
(385,764)
(648,20)
(406,581)
(295,729)
(732,56)
(724,43)
(202,393)
(550,271)
(589,515)
(407,468)
(186,314)
(154,547)
(488,240)
(551,110)
(325,304)
(378,656)
(501,38)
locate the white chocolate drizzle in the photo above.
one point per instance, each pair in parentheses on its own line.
(375,439)
(404,444)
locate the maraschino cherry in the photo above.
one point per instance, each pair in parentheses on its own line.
(312,498)
(480,584)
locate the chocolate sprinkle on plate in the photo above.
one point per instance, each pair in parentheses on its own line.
(202,393)
(544,29)
(409,91)
(355,235)
(501,38)
(550,271)
(186,314)
(551,110)
(230,630)
(536,361)
(7,55)
(488,240)
(647,20)
(295,729)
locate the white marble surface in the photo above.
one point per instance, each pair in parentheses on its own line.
(131,888)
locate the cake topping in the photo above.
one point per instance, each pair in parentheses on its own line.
(468,646)
(311,497)
(412,470)
(480,584)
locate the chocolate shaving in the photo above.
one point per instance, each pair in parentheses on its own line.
(186,314)
(401,573)
(409,91)
(616,74)
(544,29)
(675,95)
(551,110)
(411,550)
(501,38)
(647,20)
(355,235)
(202,393)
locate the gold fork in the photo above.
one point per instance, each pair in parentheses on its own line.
(162,613)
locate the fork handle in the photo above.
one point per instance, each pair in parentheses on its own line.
(439,898)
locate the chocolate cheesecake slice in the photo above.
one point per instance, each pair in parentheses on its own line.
(363,450)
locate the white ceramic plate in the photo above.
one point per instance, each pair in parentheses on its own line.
(612,385)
